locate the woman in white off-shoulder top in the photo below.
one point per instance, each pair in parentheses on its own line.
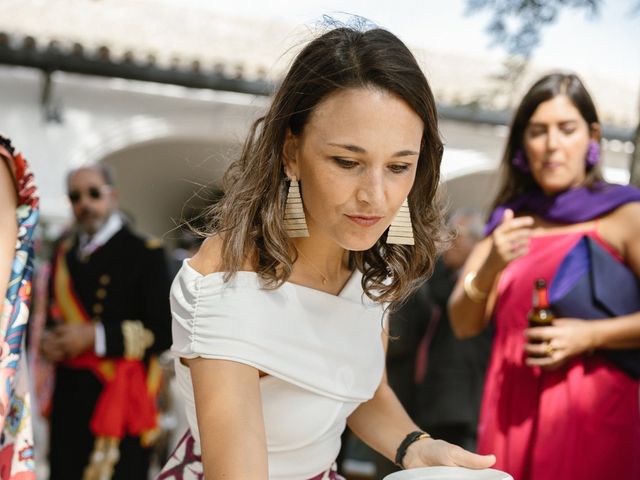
(328,217)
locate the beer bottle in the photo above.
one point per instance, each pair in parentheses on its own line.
(540,314)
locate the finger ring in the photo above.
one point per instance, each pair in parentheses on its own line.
(549,350)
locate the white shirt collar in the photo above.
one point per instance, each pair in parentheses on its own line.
(88,245)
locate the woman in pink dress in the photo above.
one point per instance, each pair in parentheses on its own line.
(554,407)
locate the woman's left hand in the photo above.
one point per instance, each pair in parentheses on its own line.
(554,345)
(430,452)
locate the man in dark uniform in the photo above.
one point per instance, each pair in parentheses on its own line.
(108,317)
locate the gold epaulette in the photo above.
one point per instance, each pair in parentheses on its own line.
(153,243)
(136,339)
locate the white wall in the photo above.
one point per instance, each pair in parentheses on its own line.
(164,141)
(101,117)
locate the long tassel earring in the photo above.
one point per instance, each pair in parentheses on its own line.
(295,224)
(401,228)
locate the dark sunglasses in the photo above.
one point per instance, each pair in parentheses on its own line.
(94,193)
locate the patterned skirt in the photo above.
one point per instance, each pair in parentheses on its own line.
(185,464)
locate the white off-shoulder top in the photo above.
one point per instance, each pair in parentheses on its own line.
(323,353)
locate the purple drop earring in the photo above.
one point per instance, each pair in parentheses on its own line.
(593,154)
(520,162)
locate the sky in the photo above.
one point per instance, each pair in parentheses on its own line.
(607,44)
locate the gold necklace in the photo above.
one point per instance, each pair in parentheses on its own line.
(324,278)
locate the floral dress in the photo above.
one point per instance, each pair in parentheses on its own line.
(16,440)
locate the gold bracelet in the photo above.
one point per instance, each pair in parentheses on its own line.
(470,289)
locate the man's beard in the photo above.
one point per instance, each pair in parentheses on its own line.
(90,222)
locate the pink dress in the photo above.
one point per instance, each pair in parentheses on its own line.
(580,422)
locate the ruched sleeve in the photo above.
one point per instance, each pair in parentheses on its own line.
(324,343)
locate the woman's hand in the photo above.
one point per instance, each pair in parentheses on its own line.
(550,347)
(430,452)
(510,240)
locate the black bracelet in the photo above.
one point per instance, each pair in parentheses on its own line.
(408,440)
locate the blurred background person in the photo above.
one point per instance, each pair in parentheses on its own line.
(407,327)
(108,317)
(448,397)
(553,406)
(19,204)
(438,377)
(187,246)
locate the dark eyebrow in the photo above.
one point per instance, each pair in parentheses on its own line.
(405,153)
(565,122)
(357,149)
(347,146)
(562,122)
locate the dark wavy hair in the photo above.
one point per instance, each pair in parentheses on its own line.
(515,182)
(250,214)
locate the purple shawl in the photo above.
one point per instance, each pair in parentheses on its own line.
(572,206)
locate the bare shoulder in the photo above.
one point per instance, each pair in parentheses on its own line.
(8,194)
(621,227)
(628,212)
(209,259)
(624,221)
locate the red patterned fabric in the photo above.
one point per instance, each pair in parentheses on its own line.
(186,464)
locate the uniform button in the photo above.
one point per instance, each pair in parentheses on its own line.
(105,280)
(98,309)
(101,293)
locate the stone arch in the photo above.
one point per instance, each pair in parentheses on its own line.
(162,181)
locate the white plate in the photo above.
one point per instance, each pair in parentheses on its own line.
(448,473)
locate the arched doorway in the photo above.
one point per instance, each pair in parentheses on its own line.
(164,181)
